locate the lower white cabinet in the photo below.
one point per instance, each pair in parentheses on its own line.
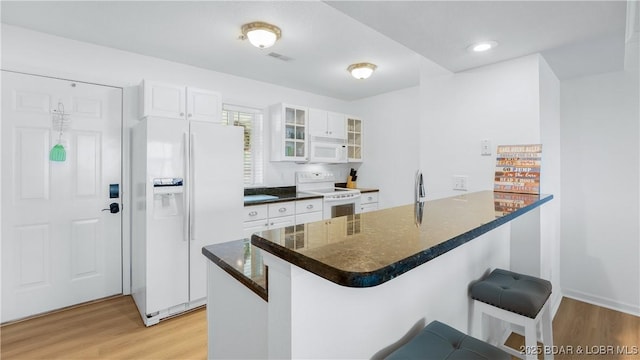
(369,202)
(251,227)
(281,214)
(308,217)
(281,209)
(255,219)
(308,211)
(255,213)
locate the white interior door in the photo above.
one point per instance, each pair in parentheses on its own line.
(58,247)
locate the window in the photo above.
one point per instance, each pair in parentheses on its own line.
(251,120)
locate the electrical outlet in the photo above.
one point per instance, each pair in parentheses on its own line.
(460,182)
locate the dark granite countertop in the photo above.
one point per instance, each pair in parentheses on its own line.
(241,260)
(369,249)
(368,190)
(287,193)
(284,193)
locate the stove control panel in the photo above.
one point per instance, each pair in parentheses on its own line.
(342,196)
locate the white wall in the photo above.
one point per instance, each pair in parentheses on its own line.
(391,145)
(498,102)
(550,182)
(38,53)
(600,247)
(513,102)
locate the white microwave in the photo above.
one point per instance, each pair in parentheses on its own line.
(326,150)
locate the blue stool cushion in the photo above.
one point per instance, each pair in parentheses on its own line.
(521,294)
(438,341)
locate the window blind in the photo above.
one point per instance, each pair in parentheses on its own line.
(251,120)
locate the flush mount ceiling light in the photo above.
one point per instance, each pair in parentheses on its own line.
(361,70)
(261,34)
(482,46)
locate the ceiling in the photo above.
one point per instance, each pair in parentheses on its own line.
(323,38)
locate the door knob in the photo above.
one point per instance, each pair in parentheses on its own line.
(114,208)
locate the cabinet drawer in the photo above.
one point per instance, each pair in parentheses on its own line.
(282,209)
(307,206)
(256,212)
(250,227)
(369,207)
(281,221)
(367,198)
(308,217)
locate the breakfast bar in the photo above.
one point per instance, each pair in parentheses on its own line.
(357,286)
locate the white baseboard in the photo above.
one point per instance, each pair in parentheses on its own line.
(602,301)
(555,303)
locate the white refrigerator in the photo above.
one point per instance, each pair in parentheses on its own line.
(187,182)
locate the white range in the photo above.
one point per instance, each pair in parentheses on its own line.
(337,201)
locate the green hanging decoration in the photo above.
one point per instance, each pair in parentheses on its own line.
(58,153)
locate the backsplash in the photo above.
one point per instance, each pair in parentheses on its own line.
(283,174)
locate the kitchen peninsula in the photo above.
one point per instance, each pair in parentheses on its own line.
(357,291)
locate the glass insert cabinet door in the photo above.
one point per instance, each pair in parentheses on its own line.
(354,140)
(295,122)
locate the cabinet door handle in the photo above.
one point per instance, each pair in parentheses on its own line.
(181,114)
(309,206)
(253,213)
(188,115)
(282,209)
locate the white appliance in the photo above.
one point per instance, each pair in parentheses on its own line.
(337,201)
(326,150)
(187,182)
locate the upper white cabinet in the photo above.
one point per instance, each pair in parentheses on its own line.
(204,105)
(354,139)
(327,124)
(289,128)
(180,102)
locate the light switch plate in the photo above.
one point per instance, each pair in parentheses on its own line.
(485,147)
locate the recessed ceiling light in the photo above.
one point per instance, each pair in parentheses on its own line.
(482,46)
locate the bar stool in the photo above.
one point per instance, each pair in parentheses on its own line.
(519,299)
(438,341)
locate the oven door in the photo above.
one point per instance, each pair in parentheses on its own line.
(341,207)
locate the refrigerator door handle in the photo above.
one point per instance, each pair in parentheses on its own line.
(192,177)
(185,224)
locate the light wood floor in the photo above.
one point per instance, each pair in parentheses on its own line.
(583,325)
(112,329)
